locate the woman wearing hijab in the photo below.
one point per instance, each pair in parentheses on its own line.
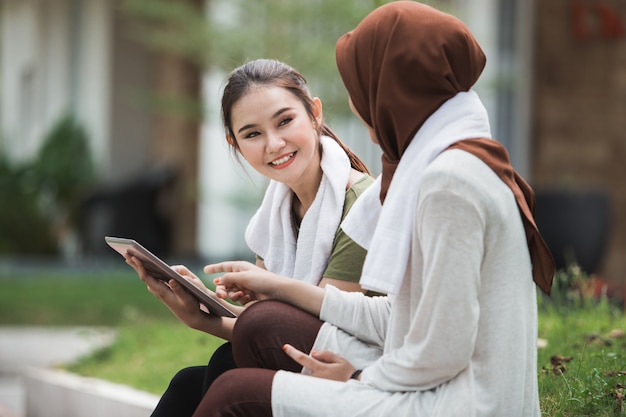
(453,244)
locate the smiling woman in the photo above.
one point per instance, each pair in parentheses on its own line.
(277,125)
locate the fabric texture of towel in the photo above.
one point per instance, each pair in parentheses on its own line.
(271,233)
(388,240)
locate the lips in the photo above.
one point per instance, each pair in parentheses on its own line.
(282,161)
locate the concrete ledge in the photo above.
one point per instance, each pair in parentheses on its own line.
(51,393)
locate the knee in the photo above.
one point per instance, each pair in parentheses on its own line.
(188,377)
(239,392)
(223,353)
(253,322)
(225,391)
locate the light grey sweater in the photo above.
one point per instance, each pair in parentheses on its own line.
(460,338)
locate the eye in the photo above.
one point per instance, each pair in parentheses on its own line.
(251,135)
(285,121)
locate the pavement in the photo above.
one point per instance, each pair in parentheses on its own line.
(22,348)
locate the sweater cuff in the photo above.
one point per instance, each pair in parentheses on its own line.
(331,304)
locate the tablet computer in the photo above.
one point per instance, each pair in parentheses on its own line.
(160,270)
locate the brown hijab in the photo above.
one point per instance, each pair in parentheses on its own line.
(399,65)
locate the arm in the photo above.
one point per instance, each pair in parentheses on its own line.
(344,265)
(341,285)
(264,285)
(442,329)
(236,294)
(362,316)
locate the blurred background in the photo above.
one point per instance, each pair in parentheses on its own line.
(110,124)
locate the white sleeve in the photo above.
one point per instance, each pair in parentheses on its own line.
(441,338)
(362,316)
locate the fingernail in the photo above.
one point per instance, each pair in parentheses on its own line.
(217,281)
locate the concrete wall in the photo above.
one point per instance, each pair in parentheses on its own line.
(58,394)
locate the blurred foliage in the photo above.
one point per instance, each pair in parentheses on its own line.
(225,34)
(23,226)
(64,167)
(568,289)
(43,195)
(175,27)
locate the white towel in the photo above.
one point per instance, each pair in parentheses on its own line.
(270,233)
(388,240)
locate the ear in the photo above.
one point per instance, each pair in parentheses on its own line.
(230,140)
(317,111)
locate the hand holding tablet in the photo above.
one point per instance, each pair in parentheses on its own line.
(160,270)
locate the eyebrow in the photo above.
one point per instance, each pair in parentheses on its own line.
(274,116)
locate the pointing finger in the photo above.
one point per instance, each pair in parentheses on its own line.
(230,266)
(299,356)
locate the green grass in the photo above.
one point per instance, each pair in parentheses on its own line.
(582,370)
(87,299)
(151,346)
(147,354)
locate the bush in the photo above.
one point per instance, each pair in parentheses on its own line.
(23,226)
(42,197)
(64,168)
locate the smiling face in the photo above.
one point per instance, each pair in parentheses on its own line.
(275,134)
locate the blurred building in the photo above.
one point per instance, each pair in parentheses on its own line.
(80,57)
(578,123)
(555,86)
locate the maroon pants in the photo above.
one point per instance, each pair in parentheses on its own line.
(258,337)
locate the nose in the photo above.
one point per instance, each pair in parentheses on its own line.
(274,143)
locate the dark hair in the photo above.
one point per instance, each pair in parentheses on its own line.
(274,73)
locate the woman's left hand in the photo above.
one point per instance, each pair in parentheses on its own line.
(324,364)
(181,302)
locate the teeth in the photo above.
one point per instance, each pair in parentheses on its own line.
(282,160)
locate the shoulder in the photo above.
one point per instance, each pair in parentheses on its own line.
(462,172)
(355,189)
(459,176)
(358,183)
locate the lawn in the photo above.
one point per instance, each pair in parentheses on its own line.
(582,368)
(151,344)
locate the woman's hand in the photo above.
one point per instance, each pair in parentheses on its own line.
(324,364)
(234,293)
(180,301)
(249,281)
(244,282)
